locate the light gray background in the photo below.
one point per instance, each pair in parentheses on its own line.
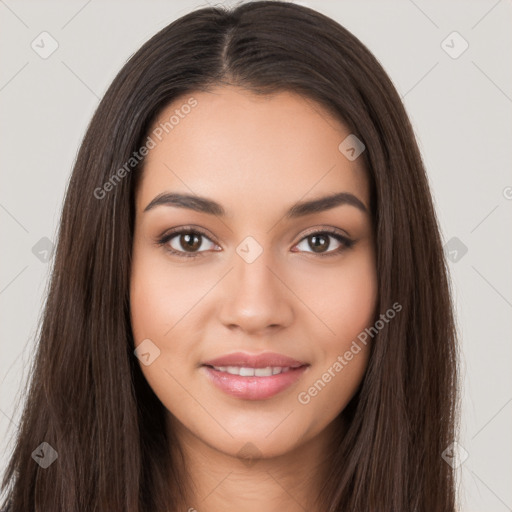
(460,109)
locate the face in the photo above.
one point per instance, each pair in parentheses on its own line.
(244,301)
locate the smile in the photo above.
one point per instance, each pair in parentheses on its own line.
(245,371)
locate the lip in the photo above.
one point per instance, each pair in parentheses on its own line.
(255,360)
(254,388)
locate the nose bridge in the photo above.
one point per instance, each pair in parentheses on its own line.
(255,298)
(252,275)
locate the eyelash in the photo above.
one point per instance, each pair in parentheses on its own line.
(346,242)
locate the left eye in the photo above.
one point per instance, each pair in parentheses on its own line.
(319,241)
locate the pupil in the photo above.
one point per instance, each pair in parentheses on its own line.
(315,245)
(188,238)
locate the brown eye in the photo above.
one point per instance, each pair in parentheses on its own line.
(189,241)
(186,242)
(320,243)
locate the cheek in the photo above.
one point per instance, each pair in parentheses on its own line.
(154,303)
(161,296)
(165,302)
(158,310)
(344,298)
(355,297)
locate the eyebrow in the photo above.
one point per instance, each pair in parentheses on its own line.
(300,209)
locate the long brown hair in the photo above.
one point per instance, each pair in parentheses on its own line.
(87,396)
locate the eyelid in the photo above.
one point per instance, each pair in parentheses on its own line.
(326,229)
(189,228)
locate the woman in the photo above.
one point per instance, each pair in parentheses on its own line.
(249,306)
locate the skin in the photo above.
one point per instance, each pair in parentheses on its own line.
(256,156)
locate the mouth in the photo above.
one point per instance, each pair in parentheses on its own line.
(246,371)
(253,377)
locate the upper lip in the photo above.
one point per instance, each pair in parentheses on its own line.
(262,360)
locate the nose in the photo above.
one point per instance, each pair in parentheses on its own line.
(255,297)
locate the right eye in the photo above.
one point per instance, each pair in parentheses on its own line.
(185,242)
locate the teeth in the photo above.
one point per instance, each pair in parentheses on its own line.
(243,372)
(263,372)
(251,372)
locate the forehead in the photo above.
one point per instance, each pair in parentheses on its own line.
(242,149)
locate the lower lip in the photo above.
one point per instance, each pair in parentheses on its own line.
(254,388)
